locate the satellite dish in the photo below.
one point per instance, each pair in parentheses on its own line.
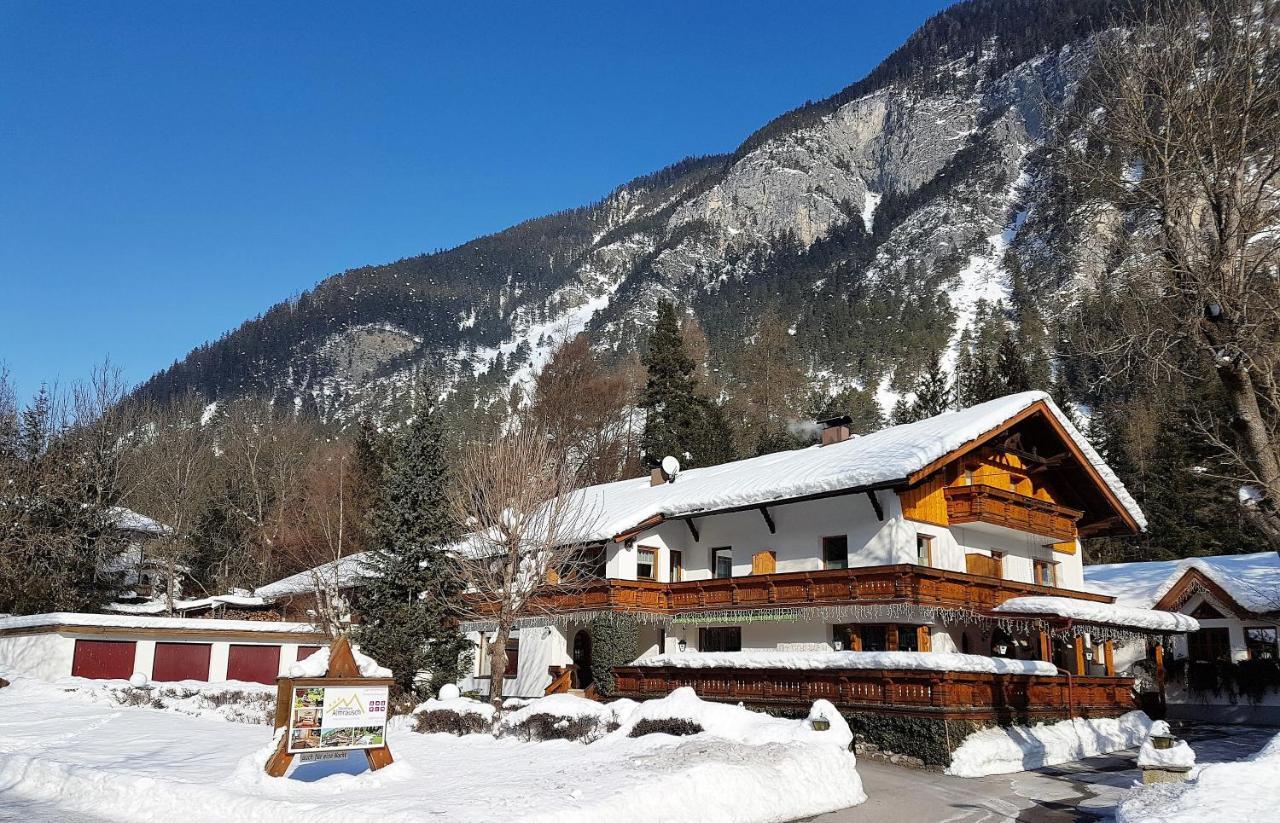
(670,467)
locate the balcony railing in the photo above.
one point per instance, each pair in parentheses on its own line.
(981,503)
(917,585)
(970,695)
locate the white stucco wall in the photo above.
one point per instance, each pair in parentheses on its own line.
(46,656)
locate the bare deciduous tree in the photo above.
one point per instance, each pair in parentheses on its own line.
(172,468)
(326,524)
(530,528)
(1186,142)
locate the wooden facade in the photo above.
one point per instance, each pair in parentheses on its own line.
(860,585)
(950,695)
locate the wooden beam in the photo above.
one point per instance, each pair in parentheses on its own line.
(875,504)
(1080,667)
(768,519)
(693,529)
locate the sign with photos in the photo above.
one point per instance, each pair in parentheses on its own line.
(331,718)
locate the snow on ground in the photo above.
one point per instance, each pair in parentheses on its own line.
(230,700)
(137,764)
(928,661)
(1109,614)
(1017,748)
(1248,790)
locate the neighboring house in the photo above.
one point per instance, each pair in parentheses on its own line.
(960,533)
(142,576)
(294,597)
(1236,600)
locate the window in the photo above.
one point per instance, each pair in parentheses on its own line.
(676,570)
(875,639)
(909,639)
(924,550)
(720,639)
(1206,612)
(1209,645)
(513,658)
(835,552)
(594,561)
(722,562)
(1261,642)
(1046,572)
(646,559)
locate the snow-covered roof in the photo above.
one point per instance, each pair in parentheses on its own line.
(884,457)
(923,661)
(349,571)
(180,605)
(1253,580)
(132,621)
(130,520)
(1106,614)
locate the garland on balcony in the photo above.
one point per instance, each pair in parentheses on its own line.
(876,613)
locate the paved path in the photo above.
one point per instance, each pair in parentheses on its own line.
(1086,790)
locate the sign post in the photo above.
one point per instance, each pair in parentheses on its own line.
(333,714)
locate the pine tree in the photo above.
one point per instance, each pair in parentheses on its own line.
(408,622)
(1012,374)
(933,393)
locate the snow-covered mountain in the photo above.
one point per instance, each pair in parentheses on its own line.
(874,221)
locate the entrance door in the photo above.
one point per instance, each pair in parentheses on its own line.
(582,657)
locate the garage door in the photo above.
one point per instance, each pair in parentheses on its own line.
(255,664)
(181,661)
(306,651)
(103,659)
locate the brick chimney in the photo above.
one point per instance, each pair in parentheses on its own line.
(835,430)
(657,476)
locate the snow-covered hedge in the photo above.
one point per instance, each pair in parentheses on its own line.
(1001,750)
(458,715)
(231,700)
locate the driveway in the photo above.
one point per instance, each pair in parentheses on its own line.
(1085,790)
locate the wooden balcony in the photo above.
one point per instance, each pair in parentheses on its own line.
(918,585)
(950,695)
(994,506)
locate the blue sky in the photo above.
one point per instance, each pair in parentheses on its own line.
(168,170)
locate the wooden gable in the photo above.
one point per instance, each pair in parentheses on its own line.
(1192,582)
(1031,454)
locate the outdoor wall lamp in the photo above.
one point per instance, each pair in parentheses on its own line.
(682,645)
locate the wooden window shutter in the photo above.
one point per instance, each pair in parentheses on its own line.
(764,562)
(923,641)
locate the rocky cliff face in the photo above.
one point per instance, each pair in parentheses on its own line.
(876,222)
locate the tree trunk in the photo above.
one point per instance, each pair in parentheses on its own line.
(1258,450)
(498,663)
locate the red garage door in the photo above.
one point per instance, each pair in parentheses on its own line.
(181,661)
(103,659)
(256,664)
(306,651)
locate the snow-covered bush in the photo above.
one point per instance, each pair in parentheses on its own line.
(561,717)
(459,715)
(674,726)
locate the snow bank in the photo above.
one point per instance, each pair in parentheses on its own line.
(317,665)
(1179,756)
(1109,614)
(1019,748)
(925,661)
(123,763)
(738,724)
(1245,791)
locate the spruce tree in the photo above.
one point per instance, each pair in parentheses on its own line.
(1012,374)
(677,421)
(933,393)
(408,621)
